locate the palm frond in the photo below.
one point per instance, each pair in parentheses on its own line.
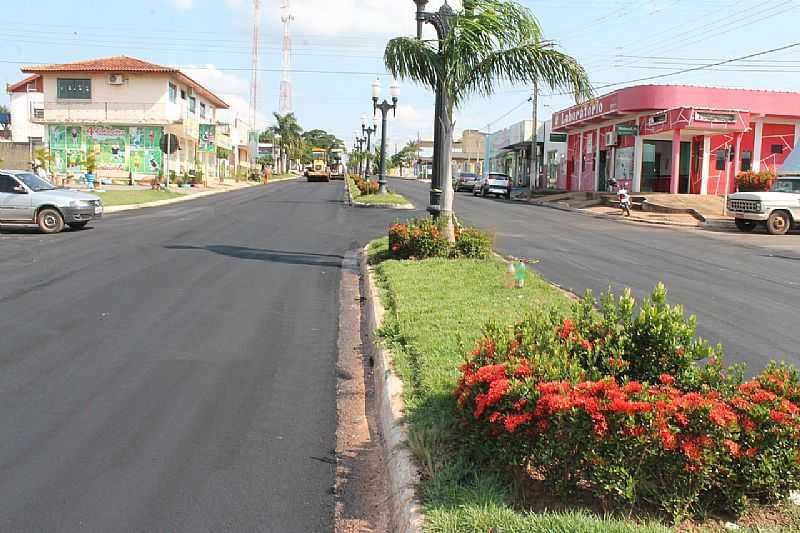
(411,59)
(525,64)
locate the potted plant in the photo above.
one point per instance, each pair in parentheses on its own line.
(90,162)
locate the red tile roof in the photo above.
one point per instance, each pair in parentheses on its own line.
(11,87)
(126,64)
(108,64)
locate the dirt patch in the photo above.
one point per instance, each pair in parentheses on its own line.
(361,489)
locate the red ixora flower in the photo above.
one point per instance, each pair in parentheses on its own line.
(513,421)
(722,415)
(733,447)
(566,329)
(666,379)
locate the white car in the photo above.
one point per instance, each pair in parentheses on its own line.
(494,183)
(778,209)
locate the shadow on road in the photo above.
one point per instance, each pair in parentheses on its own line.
(272,256)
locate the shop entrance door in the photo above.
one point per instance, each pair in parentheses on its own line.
(602,179)
(685,168)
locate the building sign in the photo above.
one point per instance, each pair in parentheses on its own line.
(657,120)
(116,148)
(623,166)
(558,137)
(627,131)
(706,116)
(588,110)
(207,142)
(264,148)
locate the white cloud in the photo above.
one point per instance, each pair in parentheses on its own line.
(354,20)
(232,88)
(183,4)
(234,4)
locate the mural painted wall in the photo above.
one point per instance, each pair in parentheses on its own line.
(116,148)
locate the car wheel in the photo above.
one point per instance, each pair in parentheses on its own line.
(778,223)
(745,225)
(50,220)
(78,225)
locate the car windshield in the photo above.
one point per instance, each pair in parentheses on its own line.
(501,177)
(466,175)
(35,183)
(786,185)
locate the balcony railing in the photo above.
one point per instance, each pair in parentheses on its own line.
(94,112)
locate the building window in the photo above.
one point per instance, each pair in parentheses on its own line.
(202,110)
(192,104)
(747,162)
(31,87)
(721,156)
(183,94)
(173,93)
(72,89)
(776,149)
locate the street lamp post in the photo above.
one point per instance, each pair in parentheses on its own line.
(385,107)
(359,145)
(368,132)
(440,20)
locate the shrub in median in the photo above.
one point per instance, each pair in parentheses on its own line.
(619,405)
(423,239)
(365,186)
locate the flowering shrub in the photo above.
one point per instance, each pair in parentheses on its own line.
(366,186)
(570,398)
(423,238)
(754,181)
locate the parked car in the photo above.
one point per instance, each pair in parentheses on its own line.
(466,181)
(25,198)
(494,183)
(778,209)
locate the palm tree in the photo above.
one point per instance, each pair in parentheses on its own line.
(291,141)
(489,43)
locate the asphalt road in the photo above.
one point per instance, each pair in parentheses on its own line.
(744,289)
(173,369)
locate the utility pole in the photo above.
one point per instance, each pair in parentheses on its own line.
(252,132)
(534,144)
(285,104)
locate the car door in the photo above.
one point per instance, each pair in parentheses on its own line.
(15,206)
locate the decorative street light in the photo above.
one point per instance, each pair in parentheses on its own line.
(368,132)
(385,107)
(440,20)
(359,145)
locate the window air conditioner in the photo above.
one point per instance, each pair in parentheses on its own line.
(115,79)
(611,138)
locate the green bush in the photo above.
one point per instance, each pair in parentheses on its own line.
(619,404)
(423,239)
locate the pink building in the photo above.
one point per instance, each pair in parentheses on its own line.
(676,138)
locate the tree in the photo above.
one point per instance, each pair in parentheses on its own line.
(43,158)
(405,157)
(4,109)
(489,43)
(291,141)
(320,139)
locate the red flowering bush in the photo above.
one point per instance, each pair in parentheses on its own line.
(423,238)
(552,394)
(754,181)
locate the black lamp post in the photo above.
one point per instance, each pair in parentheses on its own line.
(359,145)
(385,107)
(368,132)
(441,22)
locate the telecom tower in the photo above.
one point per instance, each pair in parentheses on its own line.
(286,77)
(253,133)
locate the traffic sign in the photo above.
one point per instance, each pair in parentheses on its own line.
(170,140)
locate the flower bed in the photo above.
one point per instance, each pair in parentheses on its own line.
(619,403)
(423,239)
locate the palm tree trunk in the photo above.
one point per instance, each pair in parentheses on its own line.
(447,178)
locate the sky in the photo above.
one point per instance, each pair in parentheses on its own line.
(338,47)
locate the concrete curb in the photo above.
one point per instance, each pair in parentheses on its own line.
(405,509)
(405,207)
(130,207)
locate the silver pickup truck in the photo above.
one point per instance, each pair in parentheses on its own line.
(25,198)
(778,209)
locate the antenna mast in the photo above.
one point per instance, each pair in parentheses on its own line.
(253,141)
(285,104)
